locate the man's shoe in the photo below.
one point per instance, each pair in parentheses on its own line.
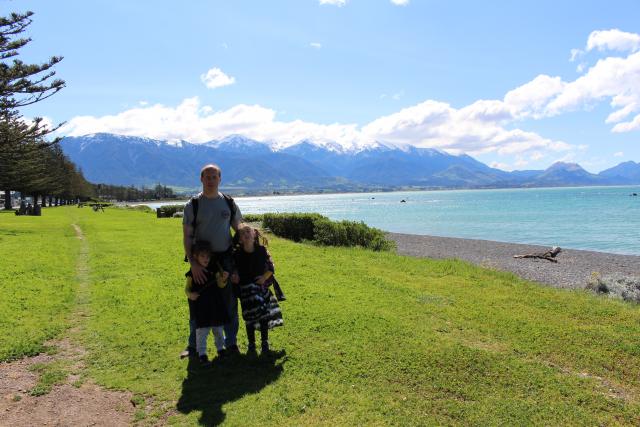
(188,352)
(222,353)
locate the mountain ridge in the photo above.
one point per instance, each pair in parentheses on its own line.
(252,166)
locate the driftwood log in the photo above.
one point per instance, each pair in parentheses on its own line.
(549,255)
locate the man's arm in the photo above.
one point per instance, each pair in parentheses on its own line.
(236,219)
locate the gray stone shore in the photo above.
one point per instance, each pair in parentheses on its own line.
(573,269)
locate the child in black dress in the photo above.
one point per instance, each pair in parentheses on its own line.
(206,302)
(260,309)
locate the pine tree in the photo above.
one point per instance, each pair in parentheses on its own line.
(21,85)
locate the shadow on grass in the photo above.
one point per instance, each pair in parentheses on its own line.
(207,389)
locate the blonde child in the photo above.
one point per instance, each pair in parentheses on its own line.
(260,309)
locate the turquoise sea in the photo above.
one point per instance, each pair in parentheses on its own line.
(605,219)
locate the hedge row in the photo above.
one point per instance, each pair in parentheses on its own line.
(252,217)
(320,229)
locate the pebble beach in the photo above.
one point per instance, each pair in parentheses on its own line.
(572,271)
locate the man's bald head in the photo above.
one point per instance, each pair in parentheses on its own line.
(210,166)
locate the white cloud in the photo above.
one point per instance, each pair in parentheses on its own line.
(531,99)
(487,111)
(613,77)
(195,123)
(536,155)
(474,129)
(613,40)
(338,3)
(618,154)
(400,2)
(45,122)
(484,126)
(627,126)
(575,54)
(628,103)
(499,165)
(216,78)
(315,45)
(396,96)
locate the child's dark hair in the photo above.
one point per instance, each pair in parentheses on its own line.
(200,247)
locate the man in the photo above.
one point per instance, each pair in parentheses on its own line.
(214,218)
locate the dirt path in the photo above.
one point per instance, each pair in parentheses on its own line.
(74,400)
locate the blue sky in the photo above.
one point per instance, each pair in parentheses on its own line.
(518,85)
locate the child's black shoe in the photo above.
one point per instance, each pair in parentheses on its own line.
(233,350)
(251,349)
(204,361)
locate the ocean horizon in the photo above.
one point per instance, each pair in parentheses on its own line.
(604,219)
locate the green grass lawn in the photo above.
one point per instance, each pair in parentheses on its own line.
(37,280)
(369,338)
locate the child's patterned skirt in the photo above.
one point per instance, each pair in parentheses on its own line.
(258,304)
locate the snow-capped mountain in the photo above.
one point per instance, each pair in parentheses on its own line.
(308,165)
(240,144)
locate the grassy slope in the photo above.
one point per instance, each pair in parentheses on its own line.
(37,280)
(370,338)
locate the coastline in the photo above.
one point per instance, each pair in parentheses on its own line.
(572,271)
(380,190)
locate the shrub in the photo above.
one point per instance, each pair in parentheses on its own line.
(351,233)
(617,286)
(167,211)
(318,228)
(140,208)
(294,226)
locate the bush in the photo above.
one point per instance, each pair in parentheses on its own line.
(322,230)
(252,218)
(617,286)
(351,233)
(167,211)
(293,226)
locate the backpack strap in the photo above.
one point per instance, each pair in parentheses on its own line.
(235,239)
(194,204)
(231,205)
